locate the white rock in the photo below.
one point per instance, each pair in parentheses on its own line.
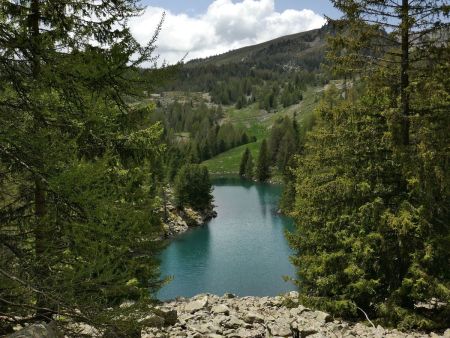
(233,323)
(280,328)
(243,333)
(221,309)
(196,305)
(218,320)
(293,294)
(264,301)
(303,331)
(127,304)
(322,316)
(36,330)
(378,332)
(202,328)
(316,335)
(294,312)
(253,317)
(277,301)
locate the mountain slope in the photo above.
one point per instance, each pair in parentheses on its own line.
(301,49)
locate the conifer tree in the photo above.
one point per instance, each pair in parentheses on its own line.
(244,160)
(396,35)
(249,166)
(371,213)
(287,149)
(246,165)
(193,187)
(263,164)
(79,168)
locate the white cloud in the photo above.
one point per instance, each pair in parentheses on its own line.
(225,26)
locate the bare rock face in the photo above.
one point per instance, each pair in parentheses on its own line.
(211,316)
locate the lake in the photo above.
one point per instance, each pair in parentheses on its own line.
(243,251)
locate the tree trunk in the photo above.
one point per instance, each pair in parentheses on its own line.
(41,231)
(41,247)
(34,19)
(404,80)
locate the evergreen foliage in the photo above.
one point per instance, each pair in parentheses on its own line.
(246,165)
(193,187)
(243,163)
(372,185)
(248,75)
(79,168)
(249,167)
(404,35)
(193,133)
(283,142)
(263,164)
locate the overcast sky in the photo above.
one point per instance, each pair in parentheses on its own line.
(207,27)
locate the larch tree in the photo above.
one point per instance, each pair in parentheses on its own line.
(397,35)
(79,166)
(372,184)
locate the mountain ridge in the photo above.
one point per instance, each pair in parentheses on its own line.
(297,47)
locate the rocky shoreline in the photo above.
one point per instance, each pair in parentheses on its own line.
(179,221)
(211,316)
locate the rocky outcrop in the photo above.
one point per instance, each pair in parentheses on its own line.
(210,316)
(179,221)
(176,221)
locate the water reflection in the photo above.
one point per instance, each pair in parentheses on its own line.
(231,181)
(242,251)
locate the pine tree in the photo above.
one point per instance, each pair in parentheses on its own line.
(249,167)
(263,164)
(79,168)
(287,149)
(244,160)
(276,134)
(283,142)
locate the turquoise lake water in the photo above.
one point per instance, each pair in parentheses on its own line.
(243,251)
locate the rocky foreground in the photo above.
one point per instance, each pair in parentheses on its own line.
(211,316)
